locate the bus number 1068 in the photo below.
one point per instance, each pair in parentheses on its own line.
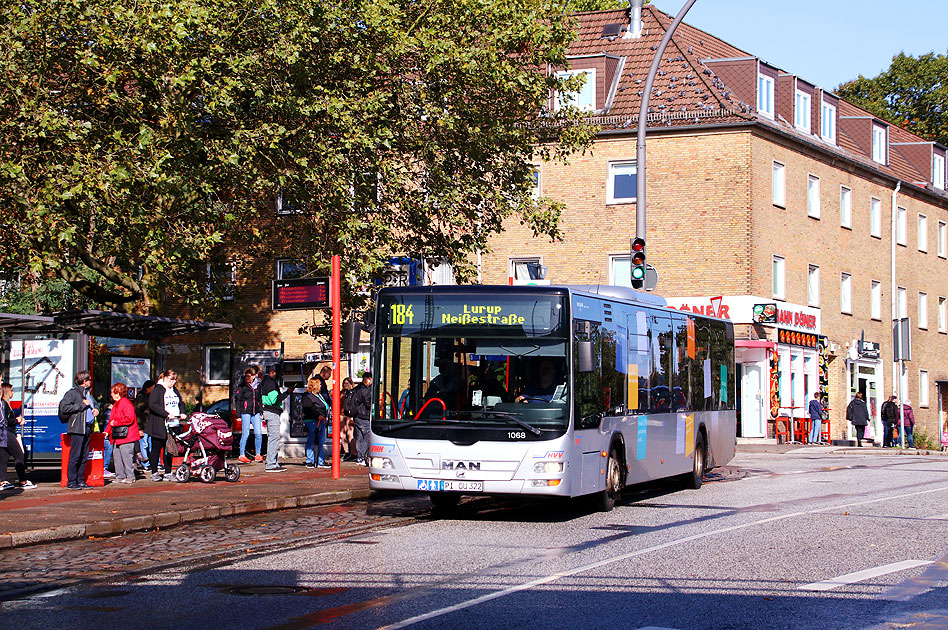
(517,435)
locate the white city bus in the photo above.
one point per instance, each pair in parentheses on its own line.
(555,391)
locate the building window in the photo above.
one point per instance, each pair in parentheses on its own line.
(938,171)
(880,147)
(828,122)
(900,226)
(801,111)
(901,302)
(621,186)
(620,270)
(287,205)
(942,239)
(813,196)
(846,293)
(875,218)
(221,280)
(765,95)
(845,207)
(922,233)
(923,310)
(780,185)
(923,388)
(779,279)
(536,190)
(585,99)
(942,315)
(438,272)
(875,300)
(523,270)
(289,269)
(813,285)
(217,365)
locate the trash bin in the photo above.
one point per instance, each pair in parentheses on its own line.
(94,469)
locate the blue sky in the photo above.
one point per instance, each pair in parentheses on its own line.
(825,42)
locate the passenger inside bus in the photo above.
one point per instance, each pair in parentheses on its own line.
(546,388)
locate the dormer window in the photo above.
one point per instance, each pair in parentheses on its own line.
(938,171)
(880,148)
(801,111)
(828,122)
(765,95)
(585,99)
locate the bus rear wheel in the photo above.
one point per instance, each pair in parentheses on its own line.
(606,500)
(695,478)
(444,501)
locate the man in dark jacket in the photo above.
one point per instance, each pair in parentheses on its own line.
(890,419)
(858,414)
(77,409)
(816,418)
(361,407)
(272,401)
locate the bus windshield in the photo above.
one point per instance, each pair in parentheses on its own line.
(488,364)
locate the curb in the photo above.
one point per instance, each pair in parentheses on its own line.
(167,519)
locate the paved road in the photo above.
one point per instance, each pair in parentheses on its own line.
(805,539)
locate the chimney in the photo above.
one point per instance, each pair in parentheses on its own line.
(635,19)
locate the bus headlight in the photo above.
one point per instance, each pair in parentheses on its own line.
(381,462)
(548,468)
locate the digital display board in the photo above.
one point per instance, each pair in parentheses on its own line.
(300,294)
(472,315)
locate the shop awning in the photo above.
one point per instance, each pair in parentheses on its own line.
(754,343)
(107,324)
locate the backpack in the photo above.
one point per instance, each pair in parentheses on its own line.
(349,405)
(63,416)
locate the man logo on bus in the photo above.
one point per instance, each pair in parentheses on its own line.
(402,314)
(447,464)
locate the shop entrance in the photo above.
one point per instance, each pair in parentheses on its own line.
(751,397)
(866,378)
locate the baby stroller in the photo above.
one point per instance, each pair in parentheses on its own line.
(206,442)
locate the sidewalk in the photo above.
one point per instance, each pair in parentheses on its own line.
(49,513)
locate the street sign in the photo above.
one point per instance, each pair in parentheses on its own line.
(300,294)
(902,343)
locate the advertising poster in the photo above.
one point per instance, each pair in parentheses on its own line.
(41,371)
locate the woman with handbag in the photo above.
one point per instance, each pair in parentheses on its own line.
(123,432)
(164,416)
(9,444)
(316,420)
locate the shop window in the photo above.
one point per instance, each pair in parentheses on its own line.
(923,388)
(923,310)
(813,196)
(779,277)
(875,217)
(813,285)
(217,364)
(622,182)
(922,233)
(845,207)
(780,185)
(846,294)
(875,300)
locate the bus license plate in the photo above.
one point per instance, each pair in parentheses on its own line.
(437,485)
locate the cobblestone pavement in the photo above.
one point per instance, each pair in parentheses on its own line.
(42,567)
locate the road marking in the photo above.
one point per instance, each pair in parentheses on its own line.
(626,556)
(859,576)
(940,517)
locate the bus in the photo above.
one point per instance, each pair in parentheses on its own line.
(545,390)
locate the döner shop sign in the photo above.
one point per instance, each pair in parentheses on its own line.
(748,309)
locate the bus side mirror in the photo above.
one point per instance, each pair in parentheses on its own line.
(584,357)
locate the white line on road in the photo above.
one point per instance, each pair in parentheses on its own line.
(626,556)
(867,574)
(939,517)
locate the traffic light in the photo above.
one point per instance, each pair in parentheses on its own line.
(638,263)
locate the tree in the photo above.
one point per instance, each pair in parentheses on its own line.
(143,143)
(912,93)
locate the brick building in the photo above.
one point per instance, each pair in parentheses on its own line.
(763,189)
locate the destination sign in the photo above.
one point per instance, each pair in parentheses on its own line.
(300,293)
(533,315)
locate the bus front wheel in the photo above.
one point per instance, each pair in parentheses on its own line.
(606,500)
(694,479)
(445,501)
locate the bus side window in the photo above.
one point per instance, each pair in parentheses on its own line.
(614,369)
(639,364)
(588,394)
(681,365)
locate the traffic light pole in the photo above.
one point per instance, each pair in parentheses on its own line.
(643,116)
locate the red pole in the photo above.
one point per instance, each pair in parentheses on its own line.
(335,296)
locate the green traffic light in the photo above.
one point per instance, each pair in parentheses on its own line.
(638,273)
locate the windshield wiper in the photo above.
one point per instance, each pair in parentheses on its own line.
(505,415)
(402,425)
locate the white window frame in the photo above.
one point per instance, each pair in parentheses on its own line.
(942,314)
(765,95)
(901,301)
(580,100)
(846,293)
(942,236)
(938,171)
(280,264)
(922,233)
(828,122)
(610,181)
(802,119)
(513,269)
(208,348)
(875,300)
(813,196)
(875,217)
(923,388)
(779,183)
(813,285)
(536,191)
(922,310)
(232,281)
(778,282)
(622,260)
(846,207)
(901,226)
(880,144)
(283,207)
